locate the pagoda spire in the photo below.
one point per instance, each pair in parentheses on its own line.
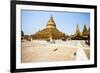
(51,23)
(51,17)
(78,33)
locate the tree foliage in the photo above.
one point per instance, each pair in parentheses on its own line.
(84,32)
(22,33)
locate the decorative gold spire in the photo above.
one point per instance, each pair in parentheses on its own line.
(78,33)
(51,23)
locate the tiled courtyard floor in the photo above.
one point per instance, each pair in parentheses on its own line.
(43,51)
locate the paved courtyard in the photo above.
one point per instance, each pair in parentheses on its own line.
(43,51)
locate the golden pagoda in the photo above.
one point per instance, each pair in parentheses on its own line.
(50,31)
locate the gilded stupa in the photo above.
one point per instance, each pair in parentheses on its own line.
(50,31)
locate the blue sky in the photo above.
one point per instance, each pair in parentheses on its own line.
(33,21)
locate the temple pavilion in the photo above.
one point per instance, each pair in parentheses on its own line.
(49,32)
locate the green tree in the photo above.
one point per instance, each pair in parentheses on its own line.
(22,33)
(84,32)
